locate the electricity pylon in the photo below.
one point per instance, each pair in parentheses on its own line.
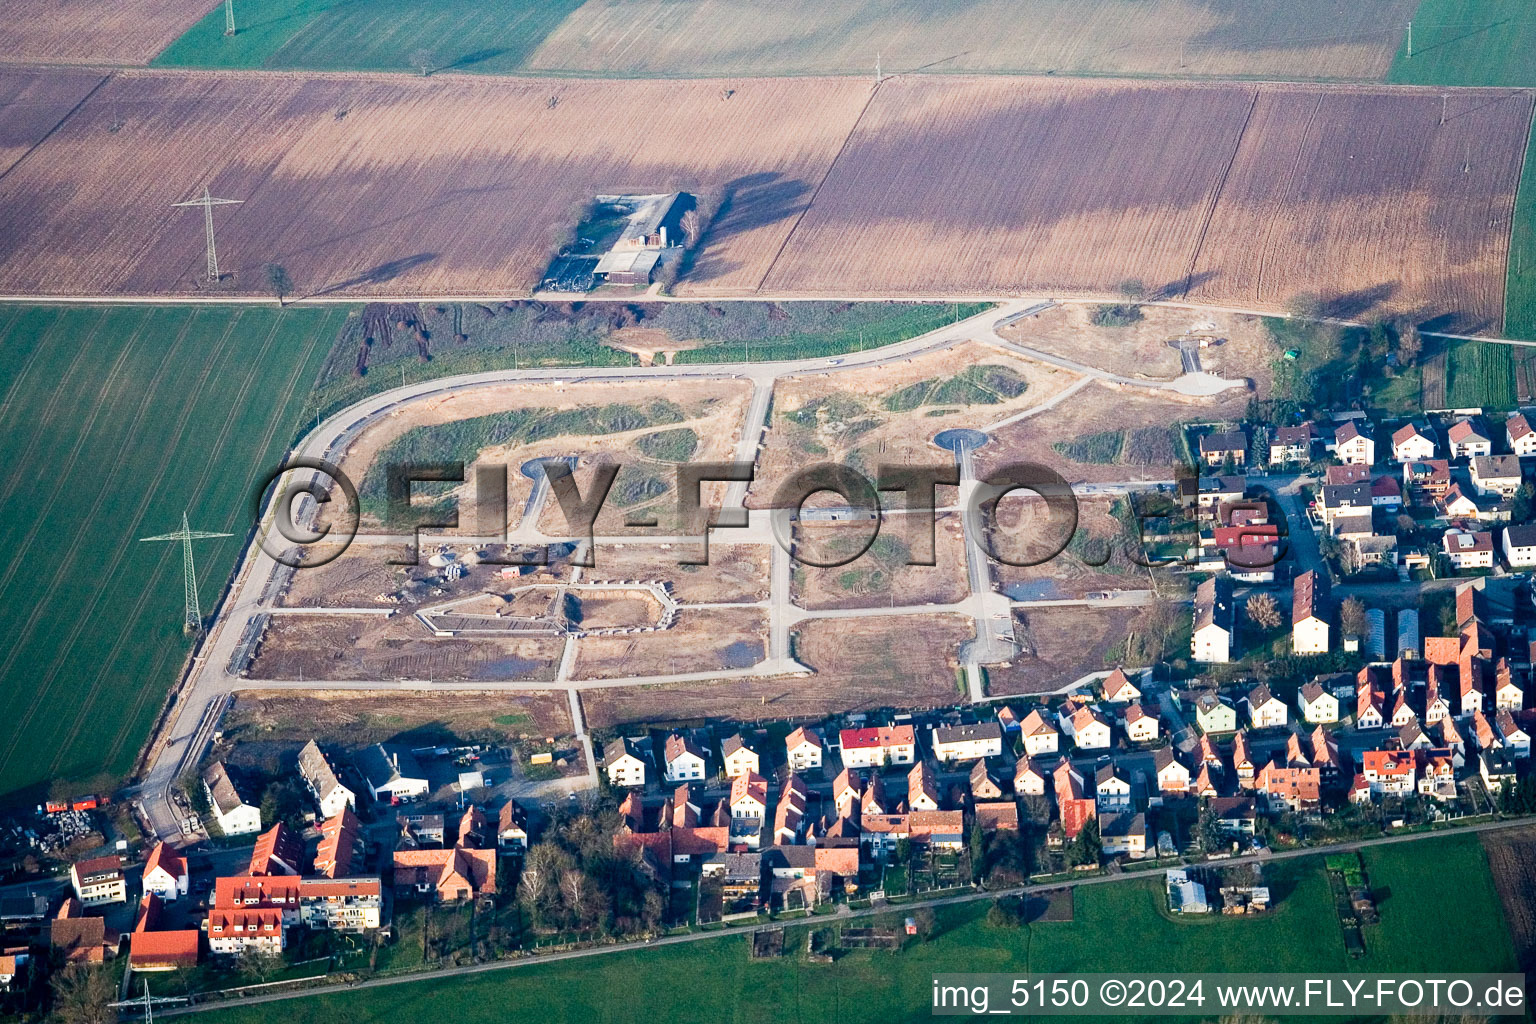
(194,618)
(207,202)
(229,17)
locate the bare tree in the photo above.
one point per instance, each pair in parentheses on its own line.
(1410,343)
(693,227)
(1352,620)
(278,280)
(83,995)
(1263,611)
(577,890)
(424,61)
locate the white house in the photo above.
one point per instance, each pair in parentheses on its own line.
(1172,775)
(1511,737)
(1291,444)
(1028,778)
(967,742)
(1309,627)
(1112,790)
(1468,549)
(1522,439)
(1089,729)
(1496,475)
(1520,545)
(684,760)
(1467,439)
(1215,714)
(1040,736)
(749,796)
(1211,640)
(322,782)
(1353,446)
(737,758)
(1412,443)
(1140,727)
(1317,704)
(875,746)
(234,815)
(624,761)
(803,749)
(1265,710)
(1508,694)
(1118,688)
(165,873)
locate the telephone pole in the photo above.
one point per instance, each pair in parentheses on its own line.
(207,202)
(229,17)
(193,622)
(1410,40)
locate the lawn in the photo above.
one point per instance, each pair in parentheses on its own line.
(371,35)
(1480,375)
(1115,927)
(114,421)
(1469,42)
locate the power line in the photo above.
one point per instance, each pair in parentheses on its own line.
(207,202)
(193,622)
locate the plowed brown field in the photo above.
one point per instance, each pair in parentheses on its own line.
(32,103)
(387,185)
(95,31)
(1329,185)
(940,186)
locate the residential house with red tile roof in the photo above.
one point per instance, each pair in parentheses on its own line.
(278,851)
(876,746)
(165,873)
(803,749)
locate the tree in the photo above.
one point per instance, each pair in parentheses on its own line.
(424,61)
(904,851)
(1305,306)
(978,850)
(278,280)
(1263,611)
(1208,831)
(1087,847)
(1352,621)
(83,995)
(260,962)
(923,917)
(1152,626)
(1410,343)
(693,227)
(1523,507)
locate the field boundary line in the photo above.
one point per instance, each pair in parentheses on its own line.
(1216,196)
(71,112)
(831,166)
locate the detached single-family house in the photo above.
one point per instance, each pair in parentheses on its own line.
(1468,549)
(1112,790)
(1496,475)
(1317,704)
(1123,834)
(1345,499)
(803,749)
(1265,710)
(234,815)
(922,789)
(1522,439)
(1215,714)
(1089,729)
(1039,735)
(1412,443)
(1353,446)
(1028,778)
(1520,545)
(737,758)
(1390,771)
(1211,641)
(749,796)
(1511,737)
(1118,688)
(165,873)
(1140,727)
(1427,480)
(1171,773)
(1468,439)
(967,742)
(624,761)
(1291,444)
(322,783)
(1508,695)
(1219,448)
(684,759)
(1309,624)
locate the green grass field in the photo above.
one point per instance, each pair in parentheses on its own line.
(371,35)
(1520,290)
(1120,927)
(114,420)
(1469,42)
(1480,375)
